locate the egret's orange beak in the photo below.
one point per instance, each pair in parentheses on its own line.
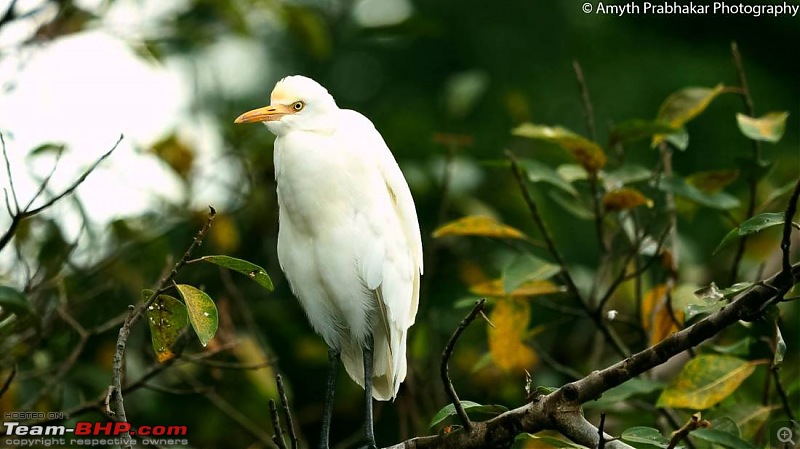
(266,114)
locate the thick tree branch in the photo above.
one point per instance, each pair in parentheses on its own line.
(560,410)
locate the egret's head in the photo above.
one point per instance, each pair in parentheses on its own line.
(297,103)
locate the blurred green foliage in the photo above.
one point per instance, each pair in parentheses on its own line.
(445,86)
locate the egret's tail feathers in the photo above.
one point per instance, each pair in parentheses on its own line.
(389,365)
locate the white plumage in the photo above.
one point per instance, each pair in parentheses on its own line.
(348,241)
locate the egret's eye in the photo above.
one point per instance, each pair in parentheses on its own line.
(298,106)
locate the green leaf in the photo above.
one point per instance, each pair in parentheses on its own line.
(539,172)
(679,140)
(469,407)
(572,172)
(46,148)
(572,205)
(712,181)
(767,128)
(626,174)
(739,348)
(14,302)
(682,106)
(634,130)
(752,225)
(678,186)
(620,393)
(202,312)
(705,381)
(646,435)
(166,317)
(250,270)
(722,438)
(588,153)
(525,268)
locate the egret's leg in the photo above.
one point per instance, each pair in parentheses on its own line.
(369,432)
(333,368)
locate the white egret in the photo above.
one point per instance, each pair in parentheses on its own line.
(348,237)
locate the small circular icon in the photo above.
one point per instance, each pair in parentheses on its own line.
(587,7)
(784,435)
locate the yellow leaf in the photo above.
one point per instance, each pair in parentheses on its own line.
(624,199)
(712,181)
(225,235)
(769,127)
(178,155)
(684,105)
(705,381)
(656,316)
(510,318)
(495,289)
(588,153)
(478,225)
(249,352)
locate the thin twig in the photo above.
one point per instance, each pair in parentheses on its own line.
(786,240)
(277,437)
(600,432)
(287,412)
(117,401)
(27,212)
(744,91)
(445,372)
(588,111)
(9,379)
(607,331)
(8,171)
(694,423)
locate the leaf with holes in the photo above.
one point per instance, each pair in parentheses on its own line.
(166,317)
(480,226)
(705,381)
(469,407)
(588,153)
(248,269)
(752,225)
(768,128)
(202,312)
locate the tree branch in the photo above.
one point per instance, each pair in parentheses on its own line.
(444,370)
(115,392)
(561,410)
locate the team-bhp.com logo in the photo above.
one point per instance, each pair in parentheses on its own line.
(86,433)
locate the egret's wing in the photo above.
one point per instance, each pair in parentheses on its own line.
(391,261)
